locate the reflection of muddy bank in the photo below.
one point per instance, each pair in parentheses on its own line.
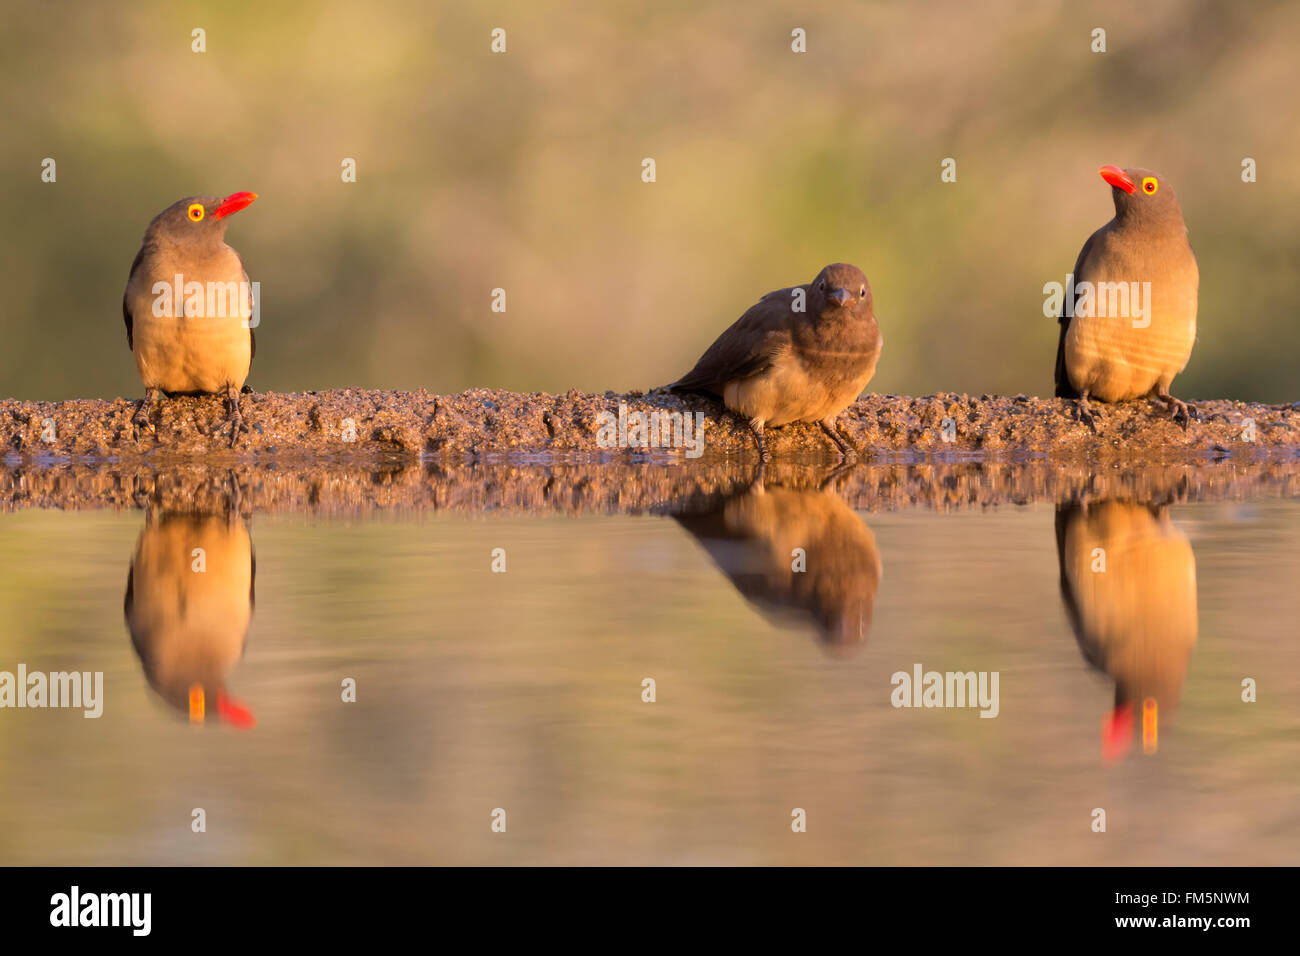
(617,487)
(369,423)
(798,555)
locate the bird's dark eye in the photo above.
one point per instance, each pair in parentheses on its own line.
(821,285)
(1149,185)
(195,212)
(862,292)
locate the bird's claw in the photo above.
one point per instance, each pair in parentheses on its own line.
(140,421)
(756,430)
(233,418)
(848,454)
(237,425)
(1085,415)
(1184,414)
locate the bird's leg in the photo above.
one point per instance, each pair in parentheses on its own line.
(833,477)
(141,418)
(832,430)
(757,428)
(1083,412)
(1182,412)
(234,499)
(233,418)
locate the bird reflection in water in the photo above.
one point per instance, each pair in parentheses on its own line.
(799,556)
(1128,580)
(189,603)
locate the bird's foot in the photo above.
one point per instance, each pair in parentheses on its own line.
(763,454)
(1085,414)
(237,426)
(847,452)
(233,418)
(1183,413)
(140,420)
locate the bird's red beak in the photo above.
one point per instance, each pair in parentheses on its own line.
(1117,734)
(237,201)
(232,711)
(1112,174)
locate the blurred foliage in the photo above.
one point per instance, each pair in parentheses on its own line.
(522,171)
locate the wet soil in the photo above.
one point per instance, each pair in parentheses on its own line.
(357,424)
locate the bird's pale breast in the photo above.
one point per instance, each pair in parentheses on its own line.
(800,388)
(180,352)
(1120,357)
(1138,612)
(190,624)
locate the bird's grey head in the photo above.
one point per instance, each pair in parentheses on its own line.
(1141,195)
(198,219)
(840,286)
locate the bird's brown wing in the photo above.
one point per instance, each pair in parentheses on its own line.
(252,335)
(1063,387)
(746,348)
(127,318)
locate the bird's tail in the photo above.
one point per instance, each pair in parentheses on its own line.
(1063,387)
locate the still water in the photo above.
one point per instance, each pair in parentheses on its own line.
(1118,617)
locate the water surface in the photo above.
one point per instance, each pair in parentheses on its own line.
(522,690)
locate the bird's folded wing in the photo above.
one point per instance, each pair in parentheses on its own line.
(748,347)
(127,318)
(252,305)
(1064,389)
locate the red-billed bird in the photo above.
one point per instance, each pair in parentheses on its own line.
(200,343)
(1128,580)
(189,603)
(1118,357)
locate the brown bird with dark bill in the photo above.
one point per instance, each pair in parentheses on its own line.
(799,555)
(184,343)
(1117,358)
(802,354)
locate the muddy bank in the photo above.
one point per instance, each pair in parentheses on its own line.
(617,487)
(357,423)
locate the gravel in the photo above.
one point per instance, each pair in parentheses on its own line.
(372,425)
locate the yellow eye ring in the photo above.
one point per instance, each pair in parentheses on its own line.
(1149,185)
(195,212)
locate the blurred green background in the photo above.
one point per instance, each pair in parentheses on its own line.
(522,171)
